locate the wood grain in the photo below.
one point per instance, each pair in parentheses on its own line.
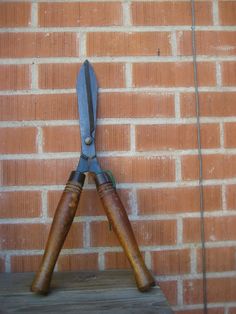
(81,292)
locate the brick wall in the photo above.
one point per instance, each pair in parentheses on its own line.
(141,52)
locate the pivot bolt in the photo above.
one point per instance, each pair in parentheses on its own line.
(88,140)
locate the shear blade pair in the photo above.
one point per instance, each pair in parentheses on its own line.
(66,209)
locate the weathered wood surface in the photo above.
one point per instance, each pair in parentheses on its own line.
(80,292)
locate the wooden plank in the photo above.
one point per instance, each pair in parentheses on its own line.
(83,292)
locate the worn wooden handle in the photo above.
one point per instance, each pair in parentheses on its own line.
(120,223)
(62,221)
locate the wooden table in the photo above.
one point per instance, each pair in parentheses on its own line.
(80,292)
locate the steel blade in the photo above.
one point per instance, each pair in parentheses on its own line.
(87,105)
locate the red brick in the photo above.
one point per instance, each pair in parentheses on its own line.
(140,169)
(171,262)
(75,262)
(170,13)
(177,200)
(230,135)
(2,265)
(36,172)
(218,290)
(227,12)
(64,106)
(38,107)
(75,236)
(67,138)
(13,140)
(218,43)
(231,196)
(214,166)
(128,44)
(168,74)
(16,236)
(89,204)
(15,14)
(56,171)
(56,75)
(212,104)
(101,235)
(23,45)
(80,14)
(216,229)
(218,259)
(116,260)
(151,232)
(135,105)
(61,139)
(14,77)
(25,263)
(161,232)
(175,136)
(169,289)
(232,310)
(228,70)
(23,236)
(20,204)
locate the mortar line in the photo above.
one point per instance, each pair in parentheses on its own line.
(133,218)
(126,13)
(128,75)
(101,261)
(115,59)
(7,263)
(193,260)
(44,200)
(86,239)
(148,259)
(39,140)
(34,15)
(169,154)
(117,28)
(179,238)
(82,41)
(215,10)
(134,203)
(173,42)
(143,248)
(218,74)
(143,185)
(178,169)
(34,76)
(177,106)
(222,144)
(132,139)
(123,121)
(223,196)
(180,294)
(122,90)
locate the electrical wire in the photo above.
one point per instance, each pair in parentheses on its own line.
(201,191)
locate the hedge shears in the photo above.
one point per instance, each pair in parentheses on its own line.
(87,90)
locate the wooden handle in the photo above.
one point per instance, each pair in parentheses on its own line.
(120,223)
(62,221)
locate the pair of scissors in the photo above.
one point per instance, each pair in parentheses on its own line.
(87,90)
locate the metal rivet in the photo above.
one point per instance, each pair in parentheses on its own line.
(88,140)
